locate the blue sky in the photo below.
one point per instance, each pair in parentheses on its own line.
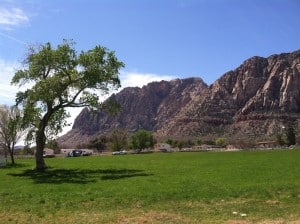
(156,39)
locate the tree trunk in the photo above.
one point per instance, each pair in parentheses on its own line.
(5,155)
(11,153)
(40,144)
(41,141)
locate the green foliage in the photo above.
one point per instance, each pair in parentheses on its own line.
(199,141)
(209,142)
(280,139)
(28,150)
(180,143)
(62,78)
(221,142)
(53,144)
(290,136)
(189,143)
(173,143)
(99,143)
(185,143)
(119,140)
(142,140)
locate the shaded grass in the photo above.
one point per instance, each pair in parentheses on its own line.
(78,176)
(175,188)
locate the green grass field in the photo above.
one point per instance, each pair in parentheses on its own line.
(214,187)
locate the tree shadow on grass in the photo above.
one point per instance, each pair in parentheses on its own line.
(13,166)
(79,176)
(115,174)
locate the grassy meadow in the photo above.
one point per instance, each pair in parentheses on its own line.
(213,187)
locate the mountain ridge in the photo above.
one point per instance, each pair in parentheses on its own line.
(251,102)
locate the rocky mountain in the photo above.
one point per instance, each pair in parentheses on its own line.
(150,107)
(252,101)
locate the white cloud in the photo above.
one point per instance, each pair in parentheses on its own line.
(7,91)
(12,17)
(134,79)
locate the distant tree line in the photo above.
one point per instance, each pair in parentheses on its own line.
(119,139)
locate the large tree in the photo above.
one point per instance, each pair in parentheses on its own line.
(10,129)
(61,78)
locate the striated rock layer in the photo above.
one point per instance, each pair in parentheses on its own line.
(253,101)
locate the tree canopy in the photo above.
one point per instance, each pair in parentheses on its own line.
(118,139)
(61,78)
(142,140)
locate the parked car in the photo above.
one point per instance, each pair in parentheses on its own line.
(86,152)
(123,152)
(75,153)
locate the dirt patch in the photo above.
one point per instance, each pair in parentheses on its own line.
(67,218)
(263,222)
(272,202)
(238,222)
(155,218)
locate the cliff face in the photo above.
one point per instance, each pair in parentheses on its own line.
(252,101)
(142,108)
(150,107)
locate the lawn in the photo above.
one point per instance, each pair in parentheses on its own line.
(214,187)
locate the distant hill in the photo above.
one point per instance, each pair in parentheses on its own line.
(253,101)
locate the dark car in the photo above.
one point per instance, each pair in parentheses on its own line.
(75,153)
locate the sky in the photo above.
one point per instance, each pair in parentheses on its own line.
(156,39)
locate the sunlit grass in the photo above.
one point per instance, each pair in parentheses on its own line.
(165,188)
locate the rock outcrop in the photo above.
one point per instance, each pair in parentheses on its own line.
(252,101)
(150,107)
